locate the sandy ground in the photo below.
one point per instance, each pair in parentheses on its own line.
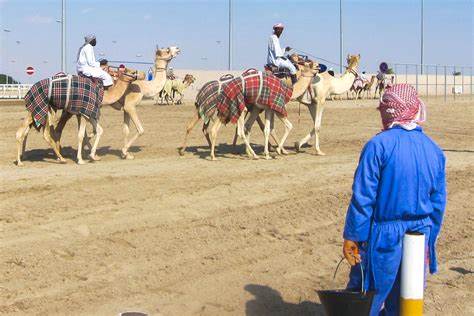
(172,235)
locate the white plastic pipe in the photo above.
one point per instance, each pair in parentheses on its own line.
(413,275)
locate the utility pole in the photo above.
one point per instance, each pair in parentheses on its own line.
(230,36)
(63,37)
(341,48)
(422,44)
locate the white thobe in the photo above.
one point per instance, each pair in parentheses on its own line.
(87,65)
(276,57)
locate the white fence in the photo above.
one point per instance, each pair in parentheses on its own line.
(14,91)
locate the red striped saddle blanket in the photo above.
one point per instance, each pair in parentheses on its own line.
(75,94)
(250,88)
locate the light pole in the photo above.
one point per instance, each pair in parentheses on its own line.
(422,44)
(230,35)
(340,37)
(63,37)
(7,79)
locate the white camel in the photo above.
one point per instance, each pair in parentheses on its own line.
(324,85)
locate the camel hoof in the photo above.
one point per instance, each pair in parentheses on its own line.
(282,151)
(81,162)
(181,151)
(268,157)
(214,159)
(95,157)
(127,156)
(19,163)
(61,160)
(320,153)
(297,147)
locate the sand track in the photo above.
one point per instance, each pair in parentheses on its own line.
(177,235)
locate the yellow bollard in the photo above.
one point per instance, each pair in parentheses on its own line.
(413,275)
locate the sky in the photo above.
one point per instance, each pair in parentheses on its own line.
(379,30)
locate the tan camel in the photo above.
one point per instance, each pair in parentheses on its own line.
(174,87)
(322,86)
(112,95)
(140,89)
(298,89)
(48,129)
(368,86)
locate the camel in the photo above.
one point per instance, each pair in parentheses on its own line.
(368,86)
(382,83)
(140,89)
(297,90)
(111,95)
(322,86)
(174,87)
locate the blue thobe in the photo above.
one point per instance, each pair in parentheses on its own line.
(399,186)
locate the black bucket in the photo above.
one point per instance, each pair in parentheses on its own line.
(346,302)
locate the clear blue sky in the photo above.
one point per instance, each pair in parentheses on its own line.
(380,30)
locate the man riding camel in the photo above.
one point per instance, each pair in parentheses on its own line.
(88,66)
(275,53)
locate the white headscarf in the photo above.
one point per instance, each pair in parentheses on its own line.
(87,40)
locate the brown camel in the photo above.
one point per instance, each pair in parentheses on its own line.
(110,96)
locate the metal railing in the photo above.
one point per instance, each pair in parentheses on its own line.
(436,80)
(14,91)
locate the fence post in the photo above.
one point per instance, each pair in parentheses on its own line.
(416,76)
(406,73)
(471,84)
(445,83)
(454,82)
(427,87)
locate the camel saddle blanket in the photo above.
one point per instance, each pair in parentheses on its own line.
(75,94)
(250,88)
(206,100)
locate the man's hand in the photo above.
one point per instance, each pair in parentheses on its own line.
(288,48)
(350,249)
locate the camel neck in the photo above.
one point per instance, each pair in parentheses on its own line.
(114,93)
(301,85)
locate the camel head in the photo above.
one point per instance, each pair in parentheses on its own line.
(353,61)
(166,53)
(309,68)
(189,79)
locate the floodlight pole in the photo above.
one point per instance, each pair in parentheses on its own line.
(63,37)
(422,44)
(340,38)
(230,36)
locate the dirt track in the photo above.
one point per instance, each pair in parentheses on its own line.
(177,235)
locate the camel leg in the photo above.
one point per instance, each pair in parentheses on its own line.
(248,126)
(58,131)
(189,128)
(80,139)
(317,127)
(304,140)
(205,131)
(47,132)
(241,132)
(21,134)
(288,127)
(268,122)
(272,133)
(126,131)
(98,133)
(236,133)
(140,130)
(214,130)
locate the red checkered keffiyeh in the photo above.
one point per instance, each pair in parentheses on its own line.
(85,98)
(274,94)
(400,105)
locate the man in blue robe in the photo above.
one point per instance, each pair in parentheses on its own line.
(399,187)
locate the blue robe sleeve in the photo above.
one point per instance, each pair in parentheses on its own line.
(364,194)
(438,202)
